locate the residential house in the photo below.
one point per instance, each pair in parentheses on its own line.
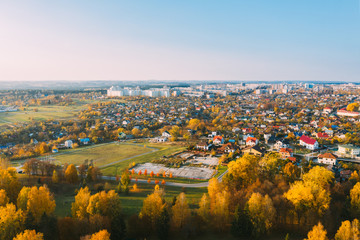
(254,150)
(218,140)
(348,150)
(251,141)
(322,135)
(309,142)
(227,148)
(68,143)
(203,146)
(327,158)
(166,134)
(280,144)
(286,153)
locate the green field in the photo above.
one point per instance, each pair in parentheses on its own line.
(164,149)
(101,154)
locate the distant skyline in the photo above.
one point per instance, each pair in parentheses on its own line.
(180,40)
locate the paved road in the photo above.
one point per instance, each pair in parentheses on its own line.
(174,184)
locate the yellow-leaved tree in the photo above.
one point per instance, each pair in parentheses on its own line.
(101,235)
(105,203)
(307,196)
(79,207)
(262,213)
(3,198)
(11,221)
(23,198)
(152,207)
(355,199)
(40,202)
(10,183)
(29,235)
(71,174)
(204,208)
(319,175)
(180,213)
(317,233)
(348,230)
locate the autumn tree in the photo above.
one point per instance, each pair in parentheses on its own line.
(242,172)
(125,181)
(348,230)
(262,213)
(11,221)
(3,198)
(79,207)
(355,198)
(319,175)
(71,174)
(105,203)
(220,212)
(101,235)
(29,235)
(40,201)
(291,171)
(180,213)
(241,225)
(308,196)
(55,177)
(317,233)
(204,208)
(175,132)
(10,183)
(152,208)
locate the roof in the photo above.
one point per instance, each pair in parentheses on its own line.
(286,150)
(327,155)
(253,139)
(293,159)
(307,140)
(218,138)
(322,135)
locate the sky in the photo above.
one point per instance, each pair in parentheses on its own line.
(180,40)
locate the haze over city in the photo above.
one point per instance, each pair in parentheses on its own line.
(180,40)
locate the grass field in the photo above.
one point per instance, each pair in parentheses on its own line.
(164,149)
(101,154)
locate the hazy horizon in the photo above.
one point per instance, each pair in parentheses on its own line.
(180,41)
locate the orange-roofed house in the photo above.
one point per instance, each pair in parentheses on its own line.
(286,153)
(251,141)
(327,158)
(218,140)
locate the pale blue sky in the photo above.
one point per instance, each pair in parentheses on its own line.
(180,40)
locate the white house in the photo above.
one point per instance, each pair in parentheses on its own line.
(348,150)
(279,144)
(309,142)
(68,143)
(327,158)
(166,134)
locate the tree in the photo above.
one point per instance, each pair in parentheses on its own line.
(105,203)
(40,202)
(136,132)
(3,198)
(308,196)
(55,177)
(125,181)
(355,198)
(101,235)
(241,225)
(194,123)
(291,171)
(79,207)
(348,230)
(242,172)
(11,221)
(152,208)
(162,225)
(23,198)
(204,208)
(10,183)
(213,188)
(220,212)
(29,235)
(319,175)
(352,107)
(262,213)
(180,213)
(71,174)
(317,233)
(175,132)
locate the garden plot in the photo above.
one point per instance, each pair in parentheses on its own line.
(183,172)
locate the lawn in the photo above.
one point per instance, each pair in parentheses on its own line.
(164,149)
(101,154)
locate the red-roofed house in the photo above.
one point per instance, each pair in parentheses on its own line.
(251,141)
(308,142)
(322,135)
